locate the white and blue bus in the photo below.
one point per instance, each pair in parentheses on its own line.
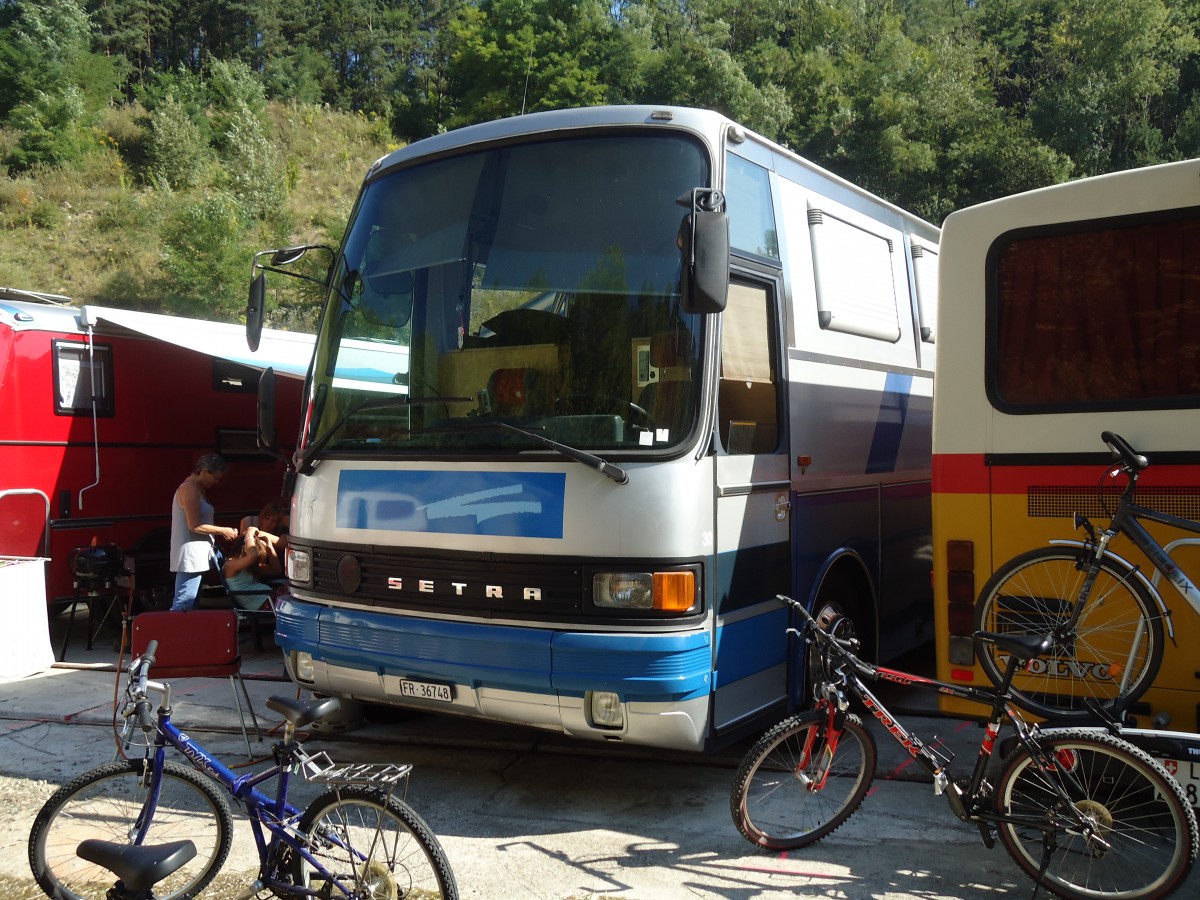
(590,388)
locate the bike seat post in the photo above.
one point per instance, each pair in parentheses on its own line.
(1015,662)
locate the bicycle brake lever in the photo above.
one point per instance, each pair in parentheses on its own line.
(1085,523)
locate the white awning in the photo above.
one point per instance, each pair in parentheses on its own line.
(287,352)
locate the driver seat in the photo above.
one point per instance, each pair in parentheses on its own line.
(514,392)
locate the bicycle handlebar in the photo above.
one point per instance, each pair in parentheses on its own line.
(845,646)
(1121,449)
(139,674)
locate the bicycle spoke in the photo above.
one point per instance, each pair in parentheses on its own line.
(1111,653)
(1125,830)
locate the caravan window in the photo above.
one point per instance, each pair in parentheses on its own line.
(925,280)
(81,373)
(229,377)
(1096,318)
(748,420)
(751,212)
(855,281)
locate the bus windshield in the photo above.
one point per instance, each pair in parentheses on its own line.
(533,285)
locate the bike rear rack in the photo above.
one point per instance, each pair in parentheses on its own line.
(320,769)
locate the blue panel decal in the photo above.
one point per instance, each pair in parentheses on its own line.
(889,427)
(505,504)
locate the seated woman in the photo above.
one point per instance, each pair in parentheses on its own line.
(272,519)
(253,556)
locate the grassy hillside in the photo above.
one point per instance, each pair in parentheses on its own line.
(102,232)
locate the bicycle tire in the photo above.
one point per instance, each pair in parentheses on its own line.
(344,822)
(105,803)
(774,808)
(1034,592)
(1142,813)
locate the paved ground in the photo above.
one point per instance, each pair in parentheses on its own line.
(527,815)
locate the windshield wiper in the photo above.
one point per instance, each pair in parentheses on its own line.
(305,459)
(615,472)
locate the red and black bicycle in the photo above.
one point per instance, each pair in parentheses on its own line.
(1085,813)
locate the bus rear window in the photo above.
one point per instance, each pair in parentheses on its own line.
(1100,319)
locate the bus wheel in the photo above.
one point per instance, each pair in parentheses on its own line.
(832,617)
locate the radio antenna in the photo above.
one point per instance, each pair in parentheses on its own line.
(528,68)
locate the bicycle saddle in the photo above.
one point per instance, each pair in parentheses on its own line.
(139,866)
(299,713)
(1022,646)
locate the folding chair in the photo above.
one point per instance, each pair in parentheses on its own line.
(196,643)
(257,620)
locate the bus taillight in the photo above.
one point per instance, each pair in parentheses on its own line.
(960,595)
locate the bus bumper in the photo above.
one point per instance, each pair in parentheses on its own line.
(540,677)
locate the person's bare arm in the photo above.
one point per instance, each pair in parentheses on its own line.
(189,501)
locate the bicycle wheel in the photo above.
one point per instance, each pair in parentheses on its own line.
(375,845)
(106,803)
(1146,828)
(1112,656)
(775,802)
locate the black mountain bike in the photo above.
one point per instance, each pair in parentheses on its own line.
(1105,617)
(1083,812)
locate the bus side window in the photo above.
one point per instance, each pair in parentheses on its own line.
(747,403)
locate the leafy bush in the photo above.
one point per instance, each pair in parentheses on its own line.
(203,258)
(252,165)
(48,129)
(177,154)
(18,197)
(233,92)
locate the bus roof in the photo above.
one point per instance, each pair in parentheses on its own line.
(707,124)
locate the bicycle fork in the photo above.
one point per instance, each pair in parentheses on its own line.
(831,734)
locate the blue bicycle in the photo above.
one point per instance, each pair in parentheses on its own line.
(358,840)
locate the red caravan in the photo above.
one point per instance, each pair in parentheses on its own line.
(168,389)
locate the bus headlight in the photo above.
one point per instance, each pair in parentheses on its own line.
(604,708)
(299,566)
(666,591)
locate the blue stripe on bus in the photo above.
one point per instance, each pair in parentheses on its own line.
(654,667)
(889,426)
(505,504)
(751,646)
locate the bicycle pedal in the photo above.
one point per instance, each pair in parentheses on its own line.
(988,835)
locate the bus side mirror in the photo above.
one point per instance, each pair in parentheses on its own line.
(266,412)
(704,245)
(255,312)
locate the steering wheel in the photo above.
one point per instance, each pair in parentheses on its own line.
(569,404)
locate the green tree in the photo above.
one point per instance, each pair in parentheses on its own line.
(1107,70)
(424,99)
(53,87)
(916,121)
(137,31)
(515,56)
(178,154)
(203,258)
(252,165)
(685,56)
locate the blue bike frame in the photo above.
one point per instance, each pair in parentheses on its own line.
(265,814)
